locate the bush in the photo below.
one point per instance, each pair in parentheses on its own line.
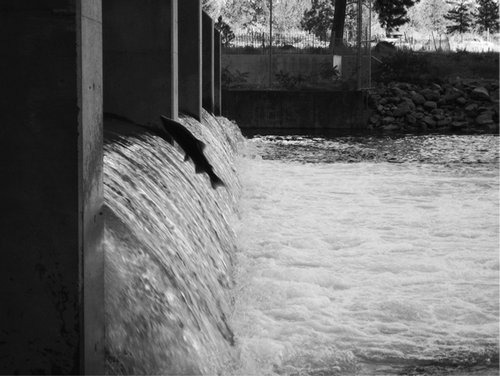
(289,81)
(403,66)
(229,79)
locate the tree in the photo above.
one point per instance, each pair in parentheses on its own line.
(337,37)
(460,17)
(213,7)
(254,14)
(487,15)
(225,30)
(318,19)
(392,13)
(429,15)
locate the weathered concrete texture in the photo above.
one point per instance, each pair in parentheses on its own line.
(51,192)
(295,109)
(208,62)
(217,73)
(139,59)
(90,174)
(190,55)
(257,66)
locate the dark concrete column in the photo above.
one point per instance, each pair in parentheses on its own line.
(217,73)
(208,62)
(51,196)
(140,59)
(190,78)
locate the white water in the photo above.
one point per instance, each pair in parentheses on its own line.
(169,246)
(341,265)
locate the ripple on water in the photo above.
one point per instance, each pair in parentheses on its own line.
(372,268)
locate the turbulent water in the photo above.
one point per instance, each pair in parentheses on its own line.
(169,245)
(369,268)
(305,263)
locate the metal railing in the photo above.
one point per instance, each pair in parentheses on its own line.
(283,43)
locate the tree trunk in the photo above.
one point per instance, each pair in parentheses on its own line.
(337,38)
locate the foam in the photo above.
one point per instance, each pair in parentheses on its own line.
(343,262)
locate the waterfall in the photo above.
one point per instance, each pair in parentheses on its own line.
(169,247)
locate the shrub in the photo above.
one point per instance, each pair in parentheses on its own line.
(327,72)
(403,66)
(288,81)
(229,79)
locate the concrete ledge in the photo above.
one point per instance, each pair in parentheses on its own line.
(315,110)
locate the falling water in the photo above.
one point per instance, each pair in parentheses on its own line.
(169,245)
(306,268)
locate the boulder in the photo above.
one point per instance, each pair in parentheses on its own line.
(471,107)
(374,119)
(397,92)
(429,121)
(459,124)
(461,101)
(480,93)
(436,87)
(484,119)
(410,103)
(444,122)
(417,98)
(430,105)
(430,95)
(391,127)
(410,119)
(401,110)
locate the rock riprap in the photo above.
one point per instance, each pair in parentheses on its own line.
(466,106)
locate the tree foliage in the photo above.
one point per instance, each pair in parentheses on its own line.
(393,13)
(225,30)
(254,14)
(487,15)
(460,17)
(429,15)
(318,19)
(332,15)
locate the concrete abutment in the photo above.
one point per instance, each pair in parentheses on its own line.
(51,268)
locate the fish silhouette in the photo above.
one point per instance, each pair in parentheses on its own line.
(193,149)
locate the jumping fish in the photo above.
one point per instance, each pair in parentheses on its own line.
(193,149)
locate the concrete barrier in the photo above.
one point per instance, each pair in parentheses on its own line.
(257,66)
(54,86)
(307,110)
(140,65)
(51,265)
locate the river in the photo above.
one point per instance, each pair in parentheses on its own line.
(368,268)
(348,256)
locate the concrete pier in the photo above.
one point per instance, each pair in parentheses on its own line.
(51,265)
(66,63)
(208,62)
(217,74)
(140,59)
(190,55)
